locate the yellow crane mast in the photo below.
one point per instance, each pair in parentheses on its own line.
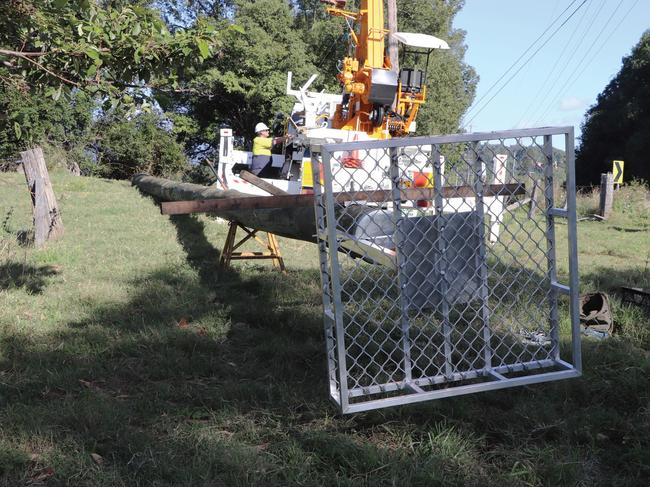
(370,87)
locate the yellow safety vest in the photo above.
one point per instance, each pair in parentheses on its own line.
(262,146)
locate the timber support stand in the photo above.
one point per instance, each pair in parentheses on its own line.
(231,253)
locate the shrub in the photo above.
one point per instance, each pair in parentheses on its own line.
(129,146)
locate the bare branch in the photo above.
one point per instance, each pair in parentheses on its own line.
(52,73)
(23,54)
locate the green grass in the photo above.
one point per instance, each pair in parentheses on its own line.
(92,361)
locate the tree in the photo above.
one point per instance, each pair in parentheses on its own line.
(30,120)
(451,81)
(205,62)
(246,82)
(56,54)
(127,146)
(105,47)
(617,126)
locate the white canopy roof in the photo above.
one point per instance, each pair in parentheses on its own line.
(423,41)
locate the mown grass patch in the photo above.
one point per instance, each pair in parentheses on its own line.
(126,358)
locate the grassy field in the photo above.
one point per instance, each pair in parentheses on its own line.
(127,359)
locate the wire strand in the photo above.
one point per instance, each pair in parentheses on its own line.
(525,63)
(545,88)
(571,78)
(505,73)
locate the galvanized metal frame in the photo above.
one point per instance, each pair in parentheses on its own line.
(494,372)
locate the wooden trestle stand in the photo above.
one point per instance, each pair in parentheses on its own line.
(230,252)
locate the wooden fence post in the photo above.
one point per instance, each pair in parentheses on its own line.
(534,199)
(606,194)
(47,217)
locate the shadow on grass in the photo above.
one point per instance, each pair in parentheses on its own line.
(15,275)
(611,279)
(202,381)
(127,382)
(201,255)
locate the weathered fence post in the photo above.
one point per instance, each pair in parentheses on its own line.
(534,199)
(74,168)
(47,217)
(606,194)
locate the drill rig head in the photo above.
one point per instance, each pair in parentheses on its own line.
(378,99)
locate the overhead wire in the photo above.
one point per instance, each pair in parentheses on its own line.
(607,39)
(505,73)
(557,2)
(572,78)
(526,62)
(545,87)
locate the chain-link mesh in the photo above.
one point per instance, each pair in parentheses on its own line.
(439,278)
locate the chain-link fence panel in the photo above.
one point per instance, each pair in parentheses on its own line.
(438,278)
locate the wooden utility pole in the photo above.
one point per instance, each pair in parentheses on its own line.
(393,53)
(606,194)
(393,48)
(47,217)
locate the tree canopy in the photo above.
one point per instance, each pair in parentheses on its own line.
(617,126)
(96,45)
(199,64)
(246,82)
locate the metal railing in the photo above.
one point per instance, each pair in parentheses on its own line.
(435,280)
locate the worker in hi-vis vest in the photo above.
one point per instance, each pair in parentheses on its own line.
(262,145)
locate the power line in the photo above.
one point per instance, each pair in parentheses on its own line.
(607,39)
(533,103)
(555,97)
(527,61)
(571,79)
(522,55)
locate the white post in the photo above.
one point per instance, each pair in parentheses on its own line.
(496,208)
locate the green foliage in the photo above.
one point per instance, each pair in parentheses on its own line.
(326,38)
(105,48)
(633,200)
(451,82)
(206,63)
(130,146)
(246,83)
(32,120)
(102,47)
(617,126)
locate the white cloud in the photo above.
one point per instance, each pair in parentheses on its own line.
(571,103)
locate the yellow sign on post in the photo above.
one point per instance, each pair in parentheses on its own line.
(617,171)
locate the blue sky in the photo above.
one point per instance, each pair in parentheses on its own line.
(564,78)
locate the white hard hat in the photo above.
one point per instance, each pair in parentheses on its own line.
(260,127)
